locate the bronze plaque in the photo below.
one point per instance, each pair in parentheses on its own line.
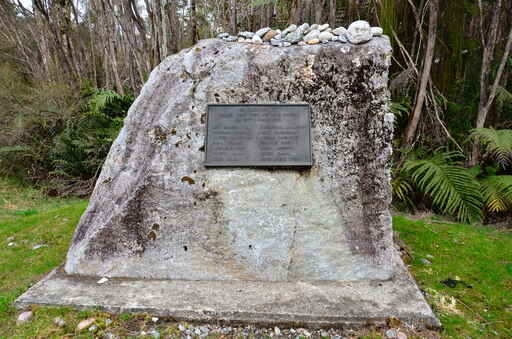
(258,135)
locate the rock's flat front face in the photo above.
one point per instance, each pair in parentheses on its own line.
(157,212)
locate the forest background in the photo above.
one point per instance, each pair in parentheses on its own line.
(70,69)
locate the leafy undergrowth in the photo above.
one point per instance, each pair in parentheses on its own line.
(477,260)
(466,272)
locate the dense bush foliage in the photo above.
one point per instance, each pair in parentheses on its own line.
(54,136)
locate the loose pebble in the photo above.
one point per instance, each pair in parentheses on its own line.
(277,330)
(108,322)
(24,317)
(154,319)
(181,328)
(11,244)
(39,246)
(313,42)
(154,334)
(93,328)
(85,324)
(59,322)
(391,334)
(401,335)
(425,261)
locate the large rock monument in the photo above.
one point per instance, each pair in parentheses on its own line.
(309,245)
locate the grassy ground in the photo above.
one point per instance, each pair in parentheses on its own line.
(478,261)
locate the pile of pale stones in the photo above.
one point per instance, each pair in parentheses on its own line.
(358,32)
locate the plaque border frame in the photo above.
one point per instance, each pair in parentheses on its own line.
(283,165)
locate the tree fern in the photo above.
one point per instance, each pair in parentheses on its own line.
(452,188)
(498,143)
(402,188)
(497,192)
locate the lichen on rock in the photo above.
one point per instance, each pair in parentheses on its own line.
(330,222)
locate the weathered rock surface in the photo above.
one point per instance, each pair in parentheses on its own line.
(157,212)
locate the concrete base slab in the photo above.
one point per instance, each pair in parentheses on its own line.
(308,304)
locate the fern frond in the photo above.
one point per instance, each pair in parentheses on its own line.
(101,99)
(497,192)
(503,95)
(497,142)
(453,188)
(401,189)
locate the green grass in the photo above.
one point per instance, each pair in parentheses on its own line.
(479,259)
(476,256)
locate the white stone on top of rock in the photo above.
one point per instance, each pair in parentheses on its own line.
(24,317)
(262,31)
(275,42)
(341,31)
(230,39)
(311,35)
(246,35)
(359,32)
(377,31)
(11,244)
(240,39)
(339,38)
(59,322)
(302,43)
(311,28)
(323,27)
(10,239)
(85,324)
(325,36)
(197,331)
(289,29)
(297,35)
(285,44)
(154,319)
(102,280)
(269,35)
(256,39)
(93,328)
(223,35)
(277,331)
(181,328)
(313,41)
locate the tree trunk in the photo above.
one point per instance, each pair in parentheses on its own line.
(332,13)
(412,126)
(489,47)
(232,17)
(295,11)
(193,25)
(319,11)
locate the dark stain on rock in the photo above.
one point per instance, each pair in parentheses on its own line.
(209,194)
(188,179)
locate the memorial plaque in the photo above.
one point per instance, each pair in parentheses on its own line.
(258,135)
